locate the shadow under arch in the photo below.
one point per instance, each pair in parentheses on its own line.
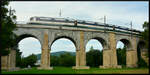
(141,46)
(66,37)
(101,41)
(127,44)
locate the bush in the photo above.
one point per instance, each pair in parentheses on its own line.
(141,63)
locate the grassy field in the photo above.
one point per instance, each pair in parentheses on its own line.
(69,70)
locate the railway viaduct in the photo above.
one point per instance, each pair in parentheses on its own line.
(79,36)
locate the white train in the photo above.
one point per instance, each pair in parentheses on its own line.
(79,23)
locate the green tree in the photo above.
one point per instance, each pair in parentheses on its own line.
(66,59)
(7,37)
(145,33)
(54,60)
(91,48)
(145,36)
(23,63)
(18,58)
(121,56)
(30,60)
(94,57)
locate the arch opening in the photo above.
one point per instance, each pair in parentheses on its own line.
(121,53)
(126,43)
(141,45)
(63,52)
(142,54)
(94,54)
(28,45)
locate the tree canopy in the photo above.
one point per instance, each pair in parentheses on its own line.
(94,57)
(7,37)
(145,33)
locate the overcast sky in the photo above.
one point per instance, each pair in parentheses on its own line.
(118,13)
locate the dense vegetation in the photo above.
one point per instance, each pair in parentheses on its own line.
(65,59)
(7,37)
(94,57)
(23,62)
(145,33)
(145,36)
(121,56)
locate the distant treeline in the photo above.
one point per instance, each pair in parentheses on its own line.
(94,58)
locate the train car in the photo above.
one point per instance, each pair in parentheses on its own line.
(82,23)
(50,21)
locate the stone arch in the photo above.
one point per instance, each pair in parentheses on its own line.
(22,36)
(101,40)
(27,32)
(126,43)
(141,45)
(59,37)
(142,51)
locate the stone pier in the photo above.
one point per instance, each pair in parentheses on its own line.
(80,35)
(109,55)
(131,54)
(9,62)
(45,56)
(81,54)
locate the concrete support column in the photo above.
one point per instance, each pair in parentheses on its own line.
(131,54)
(77,58)
(4,62)
(82,50)
(81,54)
(9,62)
(109,55)
(131,58)
(12,59)
(45,56)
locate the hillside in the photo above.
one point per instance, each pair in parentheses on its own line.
(57,54)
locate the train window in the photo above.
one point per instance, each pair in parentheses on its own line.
(37,19)
(45,18)
(60,19)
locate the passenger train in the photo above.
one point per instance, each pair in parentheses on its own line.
(71,22)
